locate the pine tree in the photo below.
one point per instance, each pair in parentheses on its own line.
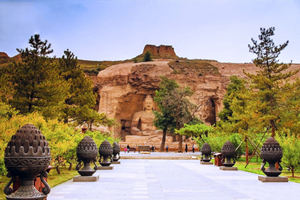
(267,84)
(36,83)
(81,100)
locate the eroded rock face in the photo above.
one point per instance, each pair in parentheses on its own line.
(122,89)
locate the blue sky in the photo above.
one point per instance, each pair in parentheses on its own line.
(119,29)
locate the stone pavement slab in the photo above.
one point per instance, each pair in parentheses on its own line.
(174,180)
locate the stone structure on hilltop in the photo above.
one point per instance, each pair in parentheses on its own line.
(162,51)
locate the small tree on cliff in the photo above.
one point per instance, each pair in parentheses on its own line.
(174,108)
(147,57)
(267,84)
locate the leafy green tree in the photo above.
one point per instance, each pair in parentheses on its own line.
(195,130)
(290,108)
(35,80)
(6,89)
(147,57)
(291,152)
(175,108)
(268,83)
(163,118)
(233,89)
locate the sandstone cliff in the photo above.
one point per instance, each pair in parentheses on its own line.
(122,87)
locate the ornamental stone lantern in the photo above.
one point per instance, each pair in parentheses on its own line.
(206,154)
(27,156)
(116,153)
(105,151)
(228,152)
(86,152)
(271,152)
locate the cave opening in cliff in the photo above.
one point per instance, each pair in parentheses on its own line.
(212,118)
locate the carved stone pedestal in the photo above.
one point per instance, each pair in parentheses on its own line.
(116,162)
(228,168)
(273,179)
(85,178)
(205,163)
(105,167)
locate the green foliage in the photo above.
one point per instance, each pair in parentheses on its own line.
(291,151)
(85,115)
(5,86)
(81,100)
(216,141)
(173,105)
(56,88)
(290,108)
(195,130)
(147,57)
(63,138)
(233,90)
(163,118)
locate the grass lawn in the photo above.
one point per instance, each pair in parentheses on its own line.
(56,179)
(3,181)
(254,167)
(53,179)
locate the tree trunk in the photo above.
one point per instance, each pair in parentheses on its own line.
(70,166)
(57,169)
(90,126)
(293,171)
(273,128)
(180,144)
(247,150)
(163,141)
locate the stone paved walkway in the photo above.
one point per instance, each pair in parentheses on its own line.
(174,180)
(160,155)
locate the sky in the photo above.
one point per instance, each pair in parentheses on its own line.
(119,29)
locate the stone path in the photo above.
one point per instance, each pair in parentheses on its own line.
(174,180)
(160,155)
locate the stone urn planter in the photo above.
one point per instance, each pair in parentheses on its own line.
(271,152)
(206,152)
(86,152)
(105,151)
(228,152)
(116,152)
(27,156)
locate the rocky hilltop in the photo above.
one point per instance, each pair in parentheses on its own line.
(162,51)
(4,58)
